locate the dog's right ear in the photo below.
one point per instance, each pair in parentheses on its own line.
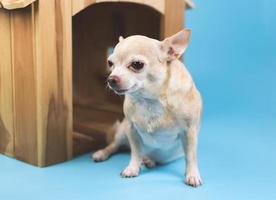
(173,47)
(121,38)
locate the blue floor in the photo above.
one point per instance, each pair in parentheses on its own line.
(236,163)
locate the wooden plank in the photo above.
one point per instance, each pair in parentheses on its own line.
(6,90)
(128,1)
(173,18)
(157,4)
(24,73)
(79,5)
(100,1)
(14,4)
(54,65)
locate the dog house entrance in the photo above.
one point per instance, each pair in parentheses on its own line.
(95,31)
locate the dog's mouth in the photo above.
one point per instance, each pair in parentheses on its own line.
(123,91)
(118,91)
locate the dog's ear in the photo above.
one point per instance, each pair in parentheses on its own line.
(121,38)
(173,47)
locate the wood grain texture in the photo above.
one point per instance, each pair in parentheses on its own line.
(156,4)
(36,71)
(14,4)
(6,87)
(24,73)
(79,5)
(54,65)
(173,18)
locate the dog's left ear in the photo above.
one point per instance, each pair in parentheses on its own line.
(173,47)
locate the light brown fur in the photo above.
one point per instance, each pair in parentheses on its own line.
(162,105)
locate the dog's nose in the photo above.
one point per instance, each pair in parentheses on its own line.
(113,81)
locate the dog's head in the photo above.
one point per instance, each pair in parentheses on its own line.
(139,64)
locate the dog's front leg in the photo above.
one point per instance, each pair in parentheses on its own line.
(192,175)
(134,165)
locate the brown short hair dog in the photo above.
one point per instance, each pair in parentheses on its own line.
(162,105)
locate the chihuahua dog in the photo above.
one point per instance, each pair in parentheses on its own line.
(162,105)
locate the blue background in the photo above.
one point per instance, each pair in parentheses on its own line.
(232,57)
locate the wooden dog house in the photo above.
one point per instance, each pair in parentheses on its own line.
(53,100)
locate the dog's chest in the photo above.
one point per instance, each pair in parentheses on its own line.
(155,124)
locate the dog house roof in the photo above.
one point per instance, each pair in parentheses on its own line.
(14,4)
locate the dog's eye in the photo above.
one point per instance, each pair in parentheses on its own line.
(137,65)
(110,63)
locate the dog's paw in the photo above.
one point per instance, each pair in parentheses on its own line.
(149,163)
(99,156)
(193,179)
(130,172)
